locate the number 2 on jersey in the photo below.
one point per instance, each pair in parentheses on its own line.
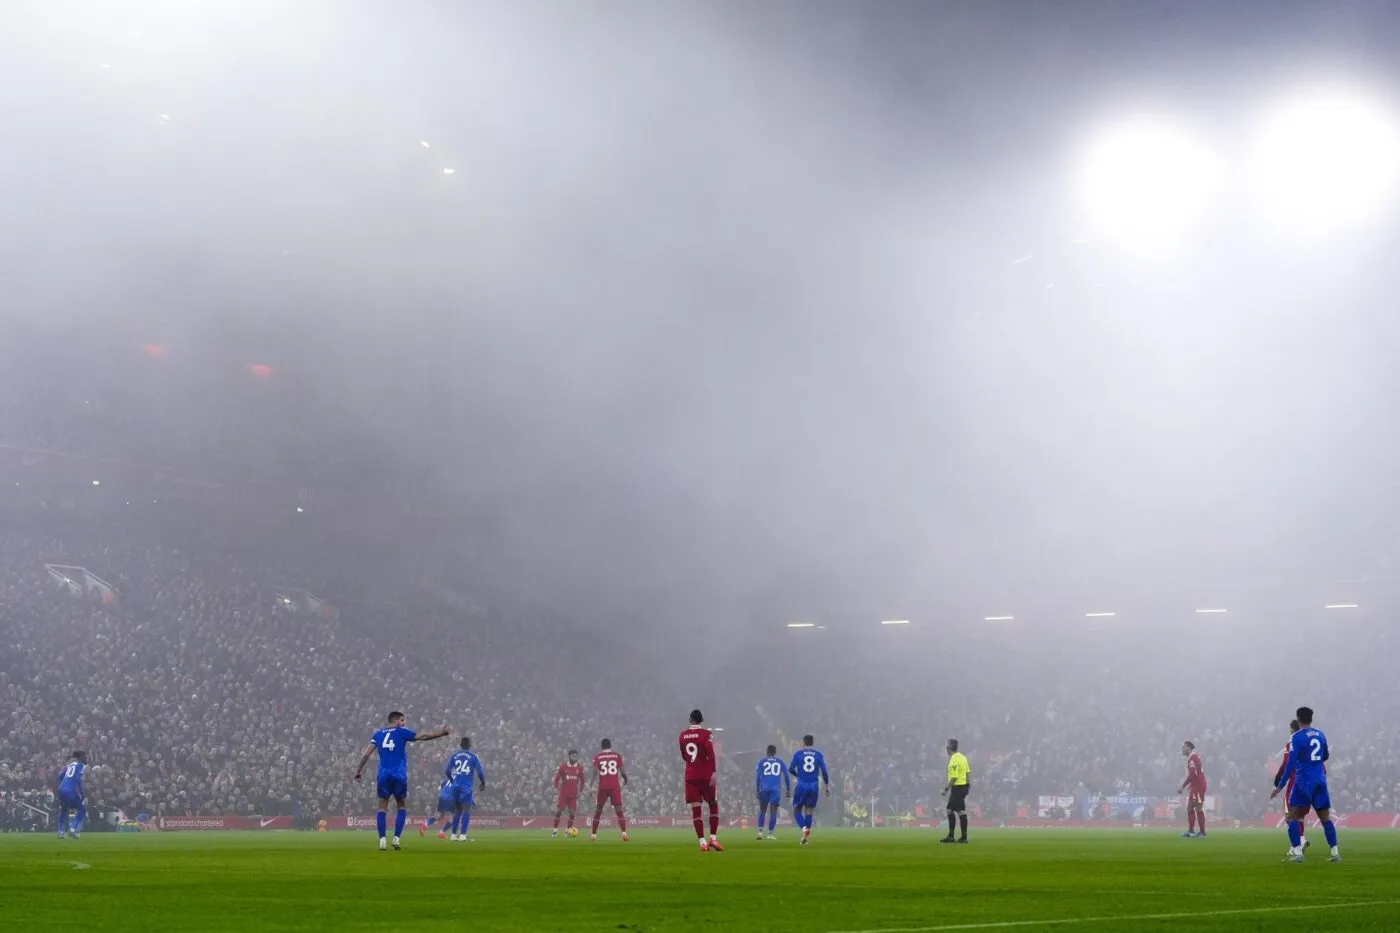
(1316,749)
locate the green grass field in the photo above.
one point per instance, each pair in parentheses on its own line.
(851,880)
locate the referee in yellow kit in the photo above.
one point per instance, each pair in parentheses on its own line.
(956,792)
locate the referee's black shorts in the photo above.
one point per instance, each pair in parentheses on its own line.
(957,798)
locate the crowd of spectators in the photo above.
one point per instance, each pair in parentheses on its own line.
(199,690)
(200,696)
(1085,717)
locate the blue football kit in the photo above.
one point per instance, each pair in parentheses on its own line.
(1308,757)
(69,798)
(391,744)
(771,778)
(809,767)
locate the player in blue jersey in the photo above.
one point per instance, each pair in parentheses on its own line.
(68,794)
(446,809)
(809,767)
(464,770)
(773,783)
(391,745)
(1307,756)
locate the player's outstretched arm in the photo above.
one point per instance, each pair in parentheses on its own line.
(435,734)
(364,759)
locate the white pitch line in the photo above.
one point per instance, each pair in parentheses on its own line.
(1067,921)
(79,866)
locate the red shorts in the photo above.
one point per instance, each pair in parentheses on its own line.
(1196,794)
(566,803)
(1288,794)
(699,791)
(611,795)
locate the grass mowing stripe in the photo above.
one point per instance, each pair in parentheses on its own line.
(1121,918)
(658,883)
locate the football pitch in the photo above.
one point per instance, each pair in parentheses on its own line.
(847,880)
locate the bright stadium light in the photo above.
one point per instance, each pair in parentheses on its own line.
(1341,606)
(802,625)
(895,622)
(1099,615)
(1325,159)
(1145,182)
(998,618)
(1203,612)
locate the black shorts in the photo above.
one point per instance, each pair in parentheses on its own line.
(957,798)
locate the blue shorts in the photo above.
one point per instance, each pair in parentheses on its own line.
(1310,795)
(463,797)
(446,804)
(770,798)
(805,795)
(70,801)
(392,785)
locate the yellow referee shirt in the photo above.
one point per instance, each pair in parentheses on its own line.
(958,771)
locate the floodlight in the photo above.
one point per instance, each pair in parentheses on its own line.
(1145,181)
(1323,160)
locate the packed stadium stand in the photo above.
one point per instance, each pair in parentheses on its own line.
(196,686)
(197,692)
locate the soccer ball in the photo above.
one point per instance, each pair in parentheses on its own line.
(573,831)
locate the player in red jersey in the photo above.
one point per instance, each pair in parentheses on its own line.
(1195,783)
(568,780)
(612,777)
(1286,767)
(698,752)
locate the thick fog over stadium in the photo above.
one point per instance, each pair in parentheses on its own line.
(723,333)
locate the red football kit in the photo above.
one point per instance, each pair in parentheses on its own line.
(567,781)
(608,766)
(1286,767)
(1196,778)
(698,753)
(1196,794)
